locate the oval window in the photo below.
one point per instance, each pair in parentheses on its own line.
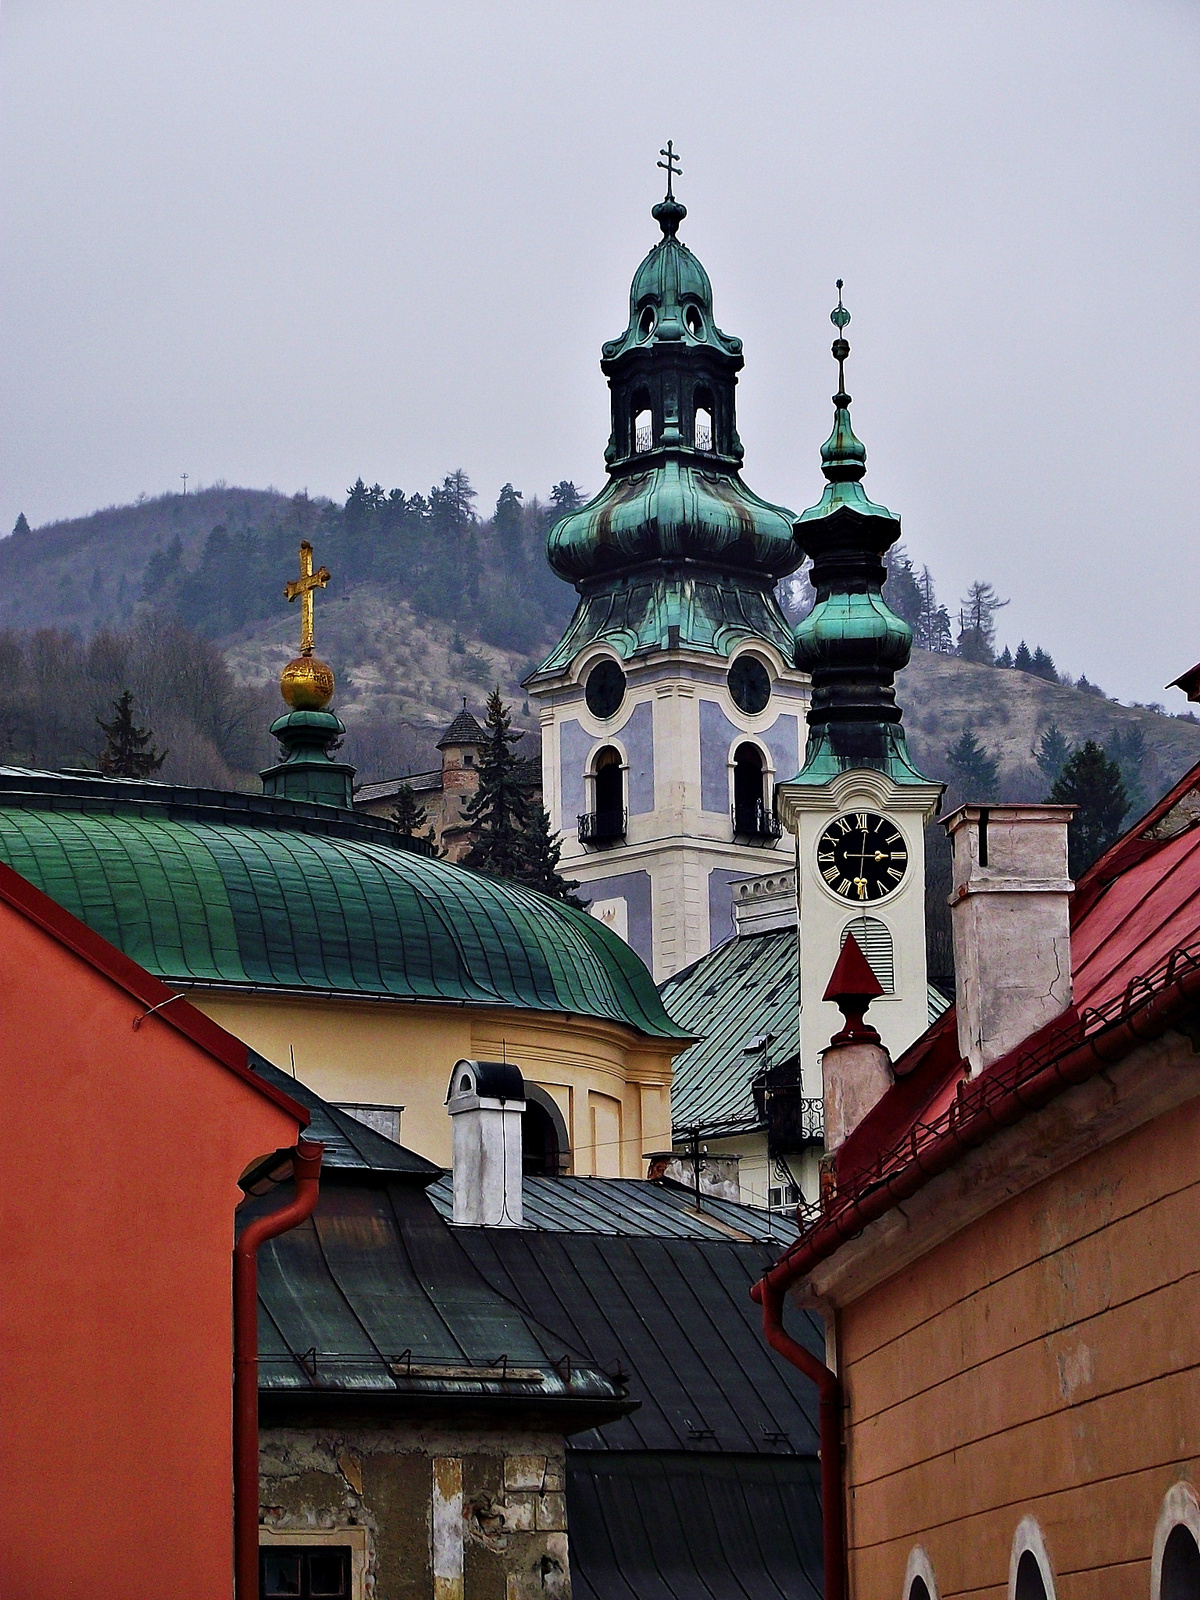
(695,322)
(646,323)
(605,689)
(750,685)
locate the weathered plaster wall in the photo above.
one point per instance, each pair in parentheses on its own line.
(1044,1362)
(448,1514)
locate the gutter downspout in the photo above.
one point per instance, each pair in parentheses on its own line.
(306,1170)
(833,1518)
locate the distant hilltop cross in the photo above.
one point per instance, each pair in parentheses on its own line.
(671,167)
(303,587)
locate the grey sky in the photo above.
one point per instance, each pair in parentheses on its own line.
(289,243)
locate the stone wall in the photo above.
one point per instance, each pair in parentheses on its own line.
(448,1515)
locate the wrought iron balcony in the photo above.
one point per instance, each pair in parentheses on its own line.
(755,823)
(602,827)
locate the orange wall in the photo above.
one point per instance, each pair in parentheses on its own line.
(1044,1362)
(122,1151)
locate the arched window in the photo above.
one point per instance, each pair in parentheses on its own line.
(544,1146)
(919,1581)
(749,799)
(702,434)
(605,823)
(918,1589)
(874,939)
(1175,1561)
(1029,1576)
(643,429)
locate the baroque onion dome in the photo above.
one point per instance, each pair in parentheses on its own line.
(851,642)
(675,550)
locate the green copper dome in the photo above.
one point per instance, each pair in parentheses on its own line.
(201,886)
(675,550)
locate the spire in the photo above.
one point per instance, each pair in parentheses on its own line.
(851,641)
(669,212)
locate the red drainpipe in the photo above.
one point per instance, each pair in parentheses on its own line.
(306,1170)
(833,1525)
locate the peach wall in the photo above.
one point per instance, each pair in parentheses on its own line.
(122,1151)
(1044,1362)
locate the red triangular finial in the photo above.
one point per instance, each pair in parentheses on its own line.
(852,986)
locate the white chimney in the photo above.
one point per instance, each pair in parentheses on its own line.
(1010,908)
(486,1100)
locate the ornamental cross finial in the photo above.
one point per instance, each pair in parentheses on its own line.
(303,587)
(840,318)
(671,167)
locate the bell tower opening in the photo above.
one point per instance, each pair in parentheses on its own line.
(643,429)
(749,798)
(702,429)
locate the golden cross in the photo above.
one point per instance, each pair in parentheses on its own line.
(304,586)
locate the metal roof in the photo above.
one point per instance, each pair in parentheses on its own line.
(743,989)
(737,993)
(373,1294)
(633,1208)
(662,1527)
(676,1315)
(237,890)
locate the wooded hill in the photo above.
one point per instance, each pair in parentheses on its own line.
(428,603)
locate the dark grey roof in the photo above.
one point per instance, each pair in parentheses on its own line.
(463,730)
(419,782)
(654,1527)
(350,1146)
(634,1208)
(676,1315)
(374,1296)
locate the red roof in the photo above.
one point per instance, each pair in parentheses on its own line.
(1135,958)
(169,1007)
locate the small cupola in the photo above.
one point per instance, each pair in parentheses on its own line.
(486,1101)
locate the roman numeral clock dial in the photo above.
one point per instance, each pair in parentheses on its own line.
(862,856)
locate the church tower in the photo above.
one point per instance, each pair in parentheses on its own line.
(858,807)
(671,706)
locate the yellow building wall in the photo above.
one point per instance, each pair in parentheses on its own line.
(612,1086)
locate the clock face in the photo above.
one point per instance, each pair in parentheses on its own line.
(862,856)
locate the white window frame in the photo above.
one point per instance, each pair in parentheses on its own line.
(919,1566)
(1180,1508)
(1028,1538)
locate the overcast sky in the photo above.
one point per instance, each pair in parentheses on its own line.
(290,243)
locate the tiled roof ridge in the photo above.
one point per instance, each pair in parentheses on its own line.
(1068,1051)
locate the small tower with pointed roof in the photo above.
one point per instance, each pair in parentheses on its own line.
(858,806)
(672,703)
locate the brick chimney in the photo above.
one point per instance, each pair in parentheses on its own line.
(486,1099)
(1010,908)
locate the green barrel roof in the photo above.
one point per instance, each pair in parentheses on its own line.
(207,887)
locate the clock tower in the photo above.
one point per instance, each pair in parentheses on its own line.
(672,705)
(858,807)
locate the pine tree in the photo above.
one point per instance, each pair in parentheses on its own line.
(977,623)
(1051,753)
(1005,658)
(21,525)
(973,772)
(407,813)
(1043,666)
(513,838)
(903,593)
(1092,783)
(1127,747)
(932,628)
(1023,660)
(565,497)
(507,522)
(128,752)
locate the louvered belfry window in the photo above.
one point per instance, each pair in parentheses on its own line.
(875,942)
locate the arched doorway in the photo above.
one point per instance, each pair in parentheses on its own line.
(749,809)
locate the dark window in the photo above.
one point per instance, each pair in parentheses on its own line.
(748,803)
(312,1574)
(750,685)
(918,1590)
(1181,1566)
(610,785)
(540,1153)
(605,689)
(1030,1585)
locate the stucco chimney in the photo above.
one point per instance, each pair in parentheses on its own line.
(1010,908)
(486,1100)
(856,1070)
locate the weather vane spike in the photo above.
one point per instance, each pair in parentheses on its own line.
(840,318)
(671,167)
(303,587)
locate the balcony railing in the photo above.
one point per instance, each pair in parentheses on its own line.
(755,822)
(602,827)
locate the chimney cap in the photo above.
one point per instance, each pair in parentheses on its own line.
(852,978)
(487,1080)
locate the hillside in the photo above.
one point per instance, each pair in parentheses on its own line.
(430,603)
